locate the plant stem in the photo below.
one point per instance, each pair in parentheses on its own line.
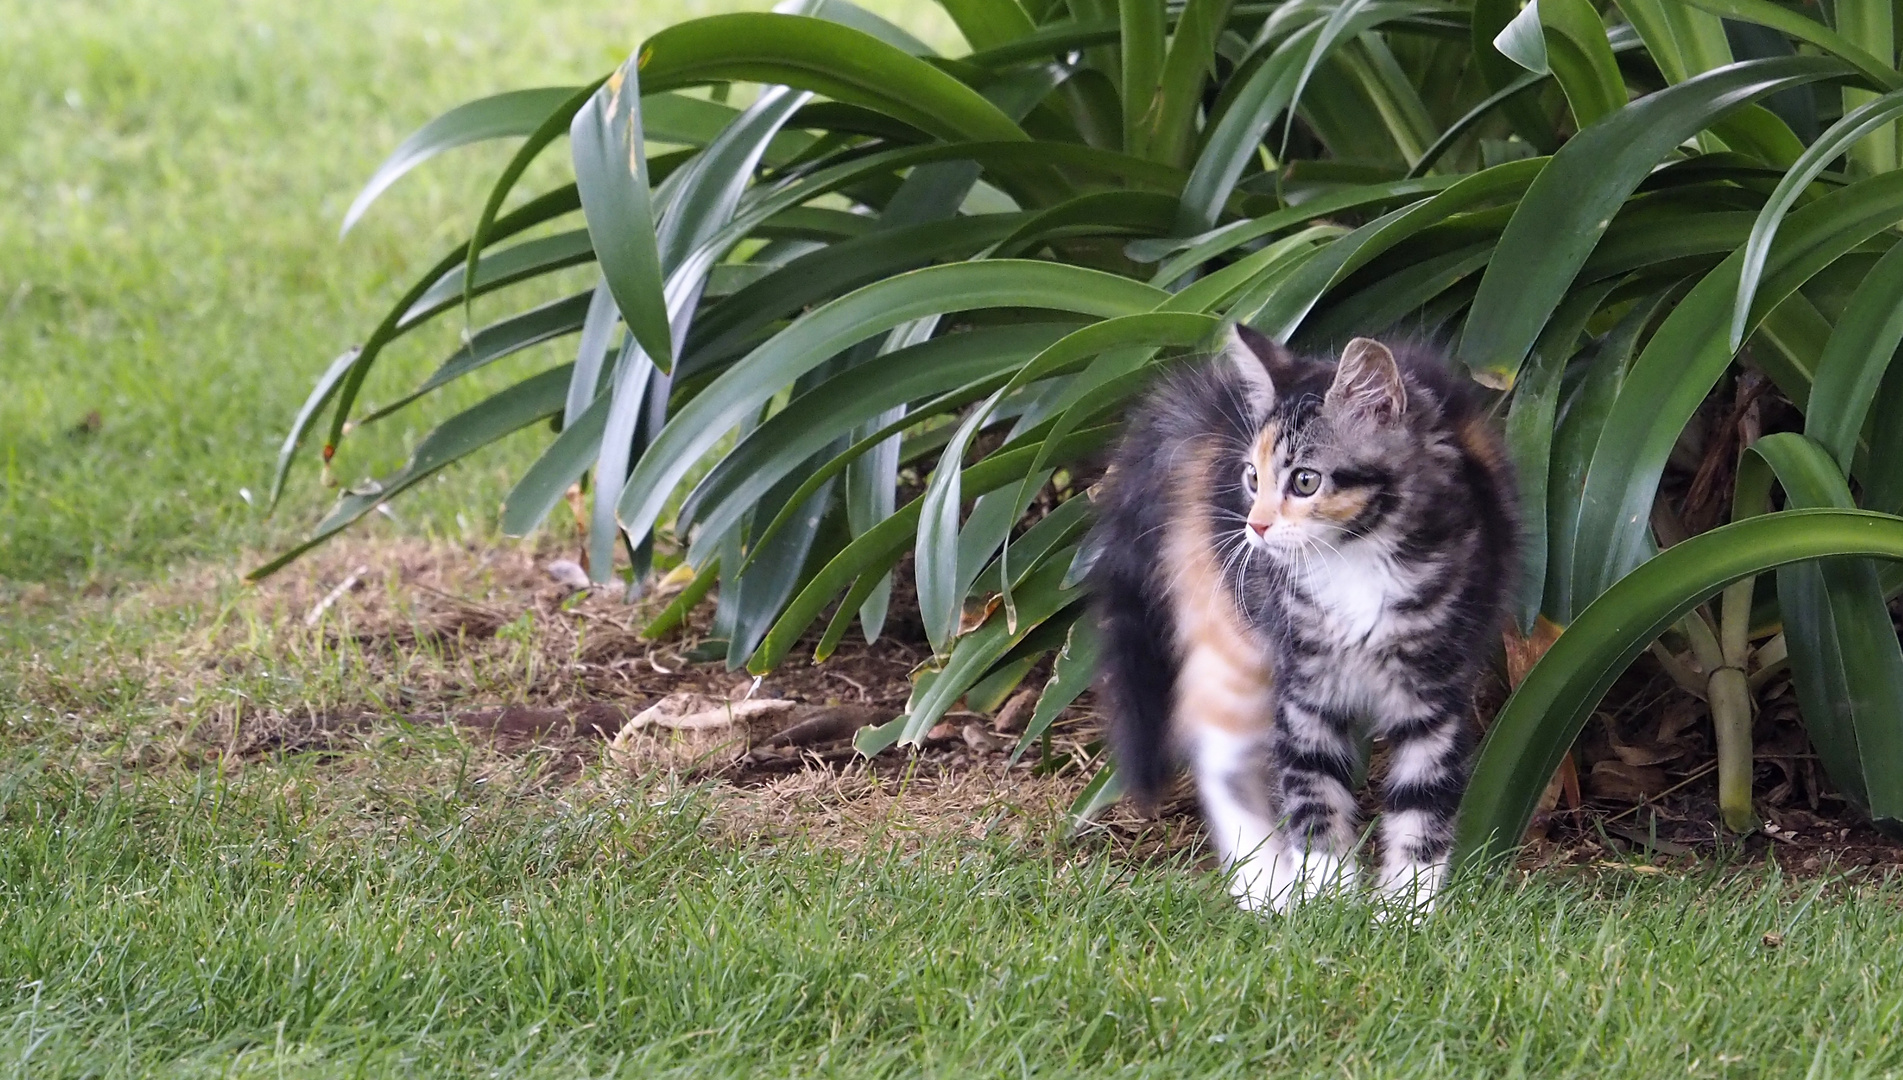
(1730,698)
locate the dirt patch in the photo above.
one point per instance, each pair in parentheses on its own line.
(487,645)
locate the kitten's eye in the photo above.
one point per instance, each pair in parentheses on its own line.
(1249,478)
(1305,481)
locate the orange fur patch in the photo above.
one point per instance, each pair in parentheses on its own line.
(1268,494)
(1478,440)
(1343,506)
(1225,680)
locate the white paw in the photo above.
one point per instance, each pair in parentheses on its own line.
(1407,890)
(1278,880)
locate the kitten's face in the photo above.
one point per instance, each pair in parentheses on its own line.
(1316,477)
(1306,491)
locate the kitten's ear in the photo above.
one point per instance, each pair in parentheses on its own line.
(1368,382)
(1259,360)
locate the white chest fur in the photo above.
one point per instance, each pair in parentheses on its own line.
(1356,592)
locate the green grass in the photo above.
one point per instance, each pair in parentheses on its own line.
(171,175)
(416,904)
(260,925)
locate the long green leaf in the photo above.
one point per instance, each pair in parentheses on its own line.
(1574,440)
(884,543)
(846,13)
(1170,122)
(1071,674)
(1846,663)
(1459,128)
(597,327)
(1286,310)
(1573,200)
(345,375)
(1856,359)
(939,594)
(504,338)
(552,127)
(846,321)
(912,449)
(1040,598)
(505,412)
(1488,20)
(1684,360)
(988,24)
(1142,41)
(1806,29)
(1263,96)
(1539,722)
(1682,40)
(516,112)
(1197,250)
(564,462)
(849,398)
(1530,427)
(731,326)
(1581,58)
(825,57)
(708,197)
(1856,125)
(499,269)
(611,172)
(779,564)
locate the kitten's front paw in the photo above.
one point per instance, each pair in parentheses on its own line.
(1277,881)
(1407,890)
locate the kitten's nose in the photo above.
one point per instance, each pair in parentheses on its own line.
(1258,529)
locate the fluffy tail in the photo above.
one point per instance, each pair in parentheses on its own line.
(1137,664)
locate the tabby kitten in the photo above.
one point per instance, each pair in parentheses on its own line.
(1294,554)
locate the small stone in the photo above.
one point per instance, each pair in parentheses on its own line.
(568,573)
(1773,939)
(979,739)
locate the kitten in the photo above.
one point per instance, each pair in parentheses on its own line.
(1294,554)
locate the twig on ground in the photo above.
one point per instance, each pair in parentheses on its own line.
(350,582)
(1643,803)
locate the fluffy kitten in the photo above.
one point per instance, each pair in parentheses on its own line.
(1294,553)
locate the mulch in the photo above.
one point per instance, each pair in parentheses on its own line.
(1646,786)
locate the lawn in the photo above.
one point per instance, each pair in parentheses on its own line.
(413,900)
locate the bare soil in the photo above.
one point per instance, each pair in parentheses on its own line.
(486,642)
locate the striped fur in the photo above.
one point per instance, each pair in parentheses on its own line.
(1294,554)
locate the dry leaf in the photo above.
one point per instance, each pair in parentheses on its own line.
(1616,781)
(691,731)
(700,712)
(1011,718)
(1524,652)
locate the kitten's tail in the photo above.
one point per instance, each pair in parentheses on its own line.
(1137,662)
